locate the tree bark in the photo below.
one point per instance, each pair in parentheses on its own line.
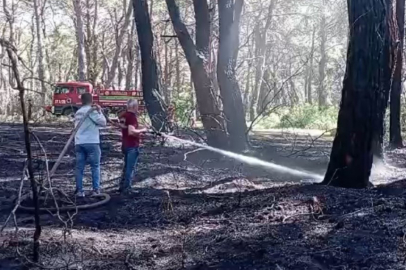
(395,134)
(119,42)
(80,37)
(197,57)
(229,13)
(150,77)
(365,92)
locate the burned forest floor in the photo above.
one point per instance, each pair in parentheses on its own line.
(193,209)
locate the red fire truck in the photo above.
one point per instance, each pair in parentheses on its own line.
(66,98)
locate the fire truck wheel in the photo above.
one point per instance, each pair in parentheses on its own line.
(69,112)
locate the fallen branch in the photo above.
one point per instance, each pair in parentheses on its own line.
(13,212)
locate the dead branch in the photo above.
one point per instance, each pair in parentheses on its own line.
(12,56)
(13,212)
(313,140)
(264,107)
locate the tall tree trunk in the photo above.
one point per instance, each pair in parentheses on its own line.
(322,91)
(197,56)
(265,91)
(260,56)
(309,72)
(10,19)
(118,50)
(41,69)
(95,46)
(260,60)
(247,87)
(120,74)
(229,13)
(395,134)
(177,64)
(80,37)
(130,59)
(246,96)
(88,41)
(166,72)
(150,77)
(137,67)
(365,92)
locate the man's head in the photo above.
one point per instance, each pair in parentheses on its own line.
(87,99)
(132,105)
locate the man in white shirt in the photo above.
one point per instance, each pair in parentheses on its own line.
(87,143)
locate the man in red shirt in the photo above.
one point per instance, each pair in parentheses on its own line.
(130,143)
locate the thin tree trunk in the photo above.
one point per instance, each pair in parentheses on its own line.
(197,56)
(265,90)
(309,98)
(130,59)
(178,82)
(395,134)
(80,37)
(229,11)
(119,75)
(88,41)
(170,76)
(33,182)
(119,42)
(10,19)
(71,65)
(247,87)
(41,69)
(150,77)
(260,56)
(322,91)
(96,68)
(365,92)
(137,67)
(166,72)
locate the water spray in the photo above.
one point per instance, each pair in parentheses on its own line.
(248,160)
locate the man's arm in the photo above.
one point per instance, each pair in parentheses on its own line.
(132,131)
(98,117)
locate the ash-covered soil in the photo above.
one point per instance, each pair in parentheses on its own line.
(198,210)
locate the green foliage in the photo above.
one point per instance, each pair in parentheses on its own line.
(303,117)
(183,107)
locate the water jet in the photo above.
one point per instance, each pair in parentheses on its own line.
(250,160)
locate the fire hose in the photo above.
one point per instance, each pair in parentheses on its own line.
(106,197)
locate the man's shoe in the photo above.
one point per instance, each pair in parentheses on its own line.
(127,191)
(80,194)
(95,193)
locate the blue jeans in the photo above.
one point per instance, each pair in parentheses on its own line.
(90,153)
(130,161)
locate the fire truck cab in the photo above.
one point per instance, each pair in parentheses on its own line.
(66,98)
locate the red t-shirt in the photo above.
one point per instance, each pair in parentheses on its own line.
(129,119)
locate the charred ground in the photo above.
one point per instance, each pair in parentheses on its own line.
(209,212)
